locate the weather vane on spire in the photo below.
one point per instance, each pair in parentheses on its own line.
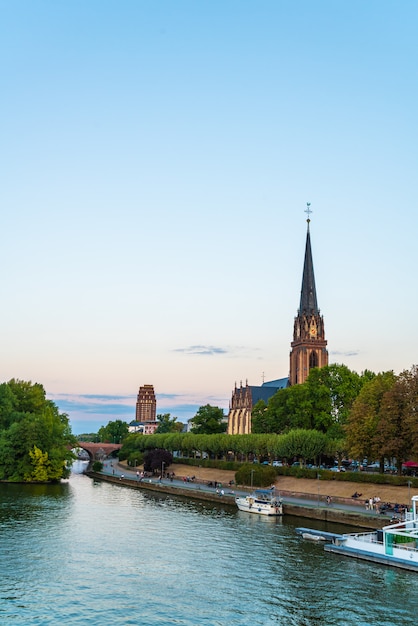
(308,211)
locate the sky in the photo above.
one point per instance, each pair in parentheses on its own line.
(156,160)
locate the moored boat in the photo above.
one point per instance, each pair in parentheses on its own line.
(395,545)
(312,537)
(262,502)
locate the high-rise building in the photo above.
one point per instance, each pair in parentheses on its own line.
(146,404)
(146,412)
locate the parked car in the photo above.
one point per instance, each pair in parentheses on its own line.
(277,464)
(373,467)
(337,469)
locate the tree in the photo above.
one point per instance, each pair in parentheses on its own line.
(261,420)
(167,424)
(286,409)
(397,427)
(322,403)
(40,464)
(157,459)
(113,432)
(364,417)
(255,475)
(35,438)
(209,420)
(332,391)
(302,444)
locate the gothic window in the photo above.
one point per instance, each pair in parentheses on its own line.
(313,360)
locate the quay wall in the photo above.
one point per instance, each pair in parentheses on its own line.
(309,510)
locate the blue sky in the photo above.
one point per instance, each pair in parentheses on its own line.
(156,162)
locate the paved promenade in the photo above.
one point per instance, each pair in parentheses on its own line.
(344,510)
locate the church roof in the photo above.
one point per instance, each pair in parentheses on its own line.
(308,301)
(261,393)
(267,390)
(280,383)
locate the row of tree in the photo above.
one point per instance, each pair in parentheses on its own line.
(298,443)
(35,438)
(335,413)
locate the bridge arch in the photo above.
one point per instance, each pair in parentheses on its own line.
(98,451)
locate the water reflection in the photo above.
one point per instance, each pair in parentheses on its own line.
(85,552)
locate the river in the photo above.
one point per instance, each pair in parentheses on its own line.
(86,552)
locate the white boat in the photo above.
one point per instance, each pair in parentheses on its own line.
(396,544)
(312,537)
(261,501)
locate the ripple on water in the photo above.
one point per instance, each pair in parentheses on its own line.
(102,554)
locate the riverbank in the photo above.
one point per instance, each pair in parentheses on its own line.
(293,485)
(305,504)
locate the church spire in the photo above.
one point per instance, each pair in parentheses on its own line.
(308,302)
(309,343)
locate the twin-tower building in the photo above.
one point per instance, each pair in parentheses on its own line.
(308,350)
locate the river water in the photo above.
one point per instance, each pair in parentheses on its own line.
(86,552)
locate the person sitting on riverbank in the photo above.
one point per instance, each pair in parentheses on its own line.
(356,494)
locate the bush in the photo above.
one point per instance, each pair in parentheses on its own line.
(135,459)
(97,466)
(257,475)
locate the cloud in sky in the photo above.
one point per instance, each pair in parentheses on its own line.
(344,353)
(208,350)
(201,350)
(90,411)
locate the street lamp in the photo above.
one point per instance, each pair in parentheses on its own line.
(252,474)
(162,469)
(135,462)
(318,477)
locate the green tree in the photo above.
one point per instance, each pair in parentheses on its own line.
(286,409)
(322,402)
(397,426)
(365,414)
(255,475)
(40,465)
(35,438)
(209,420)
(113,432)
(332,391)
(7,401)
(167,424)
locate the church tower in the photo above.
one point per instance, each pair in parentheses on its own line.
(309,343)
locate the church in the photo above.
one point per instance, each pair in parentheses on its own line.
(308,350)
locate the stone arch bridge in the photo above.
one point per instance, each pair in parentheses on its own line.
(98,451)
